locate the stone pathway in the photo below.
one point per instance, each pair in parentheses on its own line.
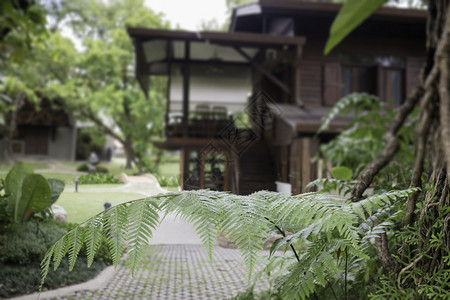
(176,272)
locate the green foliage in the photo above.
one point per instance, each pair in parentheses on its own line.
(363,140)
(434,284)
(97,178)
(98,168)
(19,22)
(351,15)
(171,181)
(100,80)
(323,225)
(89,139)
(22,247)
(24,243)
(27,193)
(342,173)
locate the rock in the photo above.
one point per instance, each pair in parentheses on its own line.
(59,213)
(123,177)
(93,158)
(225,242)
(91,168)
(144,178)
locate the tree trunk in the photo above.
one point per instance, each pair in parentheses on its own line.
(424,252)
(10,128)
(129,153)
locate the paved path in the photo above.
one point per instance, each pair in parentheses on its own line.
(176,272)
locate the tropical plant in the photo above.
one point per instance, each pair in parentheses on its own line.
(323,226)
(26,193)
(98,178)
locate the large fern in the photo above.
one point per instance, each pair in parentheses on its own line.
(323,225)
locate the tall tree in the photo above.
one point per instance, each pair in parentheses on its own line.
(22,29)
(102,88)
(425,232)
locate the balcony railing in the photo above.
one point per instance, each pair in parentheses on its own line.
(202,123)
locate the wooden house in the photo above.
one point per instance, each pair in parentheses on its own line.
(45,131)
(243,106)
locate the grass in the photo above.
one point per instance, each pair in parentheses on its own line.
(170,169)
(34,165)
(88,202)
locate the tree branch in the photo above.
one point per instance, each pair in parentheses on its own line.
(381,244)
(444,88)
(392,145)
(91,116)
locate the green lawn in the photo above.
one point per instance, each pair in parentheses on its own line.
(89,202)
(34,165)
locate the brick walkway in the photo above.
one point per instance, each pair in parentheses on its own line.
(177,272)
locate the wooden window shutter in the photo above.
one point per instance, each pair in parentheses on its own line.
(331,83)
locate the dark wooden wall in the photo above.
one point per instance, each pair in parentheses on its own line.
(320,83)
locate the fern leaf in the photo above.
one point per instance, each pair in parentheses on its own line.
(246,224)
(59,251)
(74,241)
(93,237)
(143,219)
(115,226)
(203,210)
(45,265)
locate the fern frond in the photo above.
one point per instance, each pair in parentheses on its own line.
(93,237)
(59,251)
(327,185)
(143,218)
(45,265)
(75,239)
(115,227)
(375,202)
(246,224)
(344,105)
(203,210)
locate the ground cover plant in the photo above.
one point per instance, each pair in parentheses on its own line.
(98,178)
(27,229)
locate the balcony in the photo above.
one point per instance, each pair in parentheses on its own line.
(202,123)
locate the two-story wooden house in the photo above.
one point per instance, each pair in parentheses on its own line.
(244,105)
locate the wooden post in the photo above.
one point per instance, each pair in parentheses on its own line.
(296,78)
(186,77)
(169,79)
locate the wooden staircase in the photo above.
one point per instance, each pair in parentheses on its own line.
(257,170)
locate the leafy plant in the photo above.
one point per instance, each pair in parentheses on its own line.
(27,193)
(324,226)
(363,140)
(98,168)
(22,247)
(98,178)
(171,181)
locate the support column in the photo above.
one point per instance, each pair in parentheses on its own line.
(186,77)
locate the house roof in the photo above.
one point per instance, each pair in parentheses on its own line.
(291,120)
(156,49)
(315,18)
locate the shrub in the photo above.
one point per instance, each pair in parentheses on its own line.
(97,178)
(83,168)
(100,168)
(26,242)
(171,181)
(24,279)
(23,245)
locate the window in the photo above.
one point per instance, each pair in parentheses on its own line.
(358,80)
(391,85)
(381,75)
